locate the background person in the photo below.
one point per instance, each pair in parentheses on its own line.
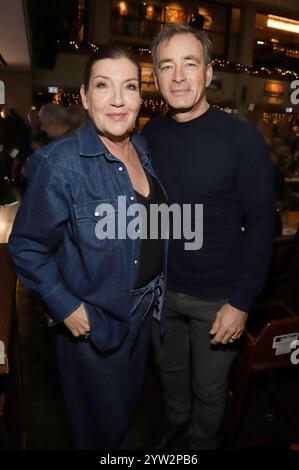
(197,20)
(55,120)
(77,116)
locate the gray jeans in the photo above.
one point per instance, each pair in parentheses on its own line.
(193,372)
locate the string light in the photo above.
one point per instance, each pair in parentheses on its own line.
(222,64)
(276,118)
(153,105)
(157,106)
(144,51)
(93,46)
(255,71)
(57,98)
(64,98)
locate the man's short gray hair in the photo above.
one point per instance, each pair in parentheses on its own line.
(51,112)
(173,29)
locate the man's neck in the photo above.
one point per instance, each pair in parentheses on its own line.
(184,116)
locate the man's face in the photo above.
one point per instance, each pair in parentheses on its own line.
(182,75)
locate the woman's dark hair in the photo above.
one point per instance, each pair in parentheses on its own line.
(111,51)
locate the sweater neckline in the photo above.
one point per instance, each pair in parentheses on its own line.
(190,123)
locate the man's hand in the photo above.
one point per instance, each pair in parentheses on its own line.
(77,322)
(228,325)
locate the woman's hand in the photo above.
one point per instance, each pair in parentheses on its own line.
(77,322)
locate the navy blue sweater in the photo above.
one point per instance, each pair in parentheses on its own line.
(221,162)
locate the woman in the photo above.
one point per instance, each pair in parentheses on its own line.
(69,243)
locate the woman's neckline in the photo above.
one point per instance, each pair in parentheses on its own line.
(149,185)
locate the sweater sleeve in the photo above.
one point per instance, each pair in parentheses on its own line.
(255,187)
(37,232)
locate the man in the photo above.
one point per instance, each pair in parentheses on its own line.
(205,156)
(55,121)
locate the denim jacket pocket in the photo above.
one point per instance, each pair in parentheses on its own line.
(96,223)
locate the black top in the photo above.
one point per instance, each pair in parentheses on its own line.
(151,251)
(223,163)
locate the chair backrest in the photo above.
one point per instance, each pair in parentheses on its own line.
(271,331)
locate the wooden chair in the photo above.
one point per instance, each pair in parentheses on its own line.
(266,346)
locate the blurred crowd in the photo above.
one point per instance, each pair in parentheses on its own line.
(285,159)
(19,138)
(285,154)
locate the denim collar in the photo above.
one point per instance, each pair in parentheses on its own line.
(90,145)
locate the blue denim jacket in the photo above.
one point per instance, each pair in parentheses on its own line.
(53,244)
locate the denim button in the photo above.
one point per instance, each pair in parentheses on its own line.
(120,168)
